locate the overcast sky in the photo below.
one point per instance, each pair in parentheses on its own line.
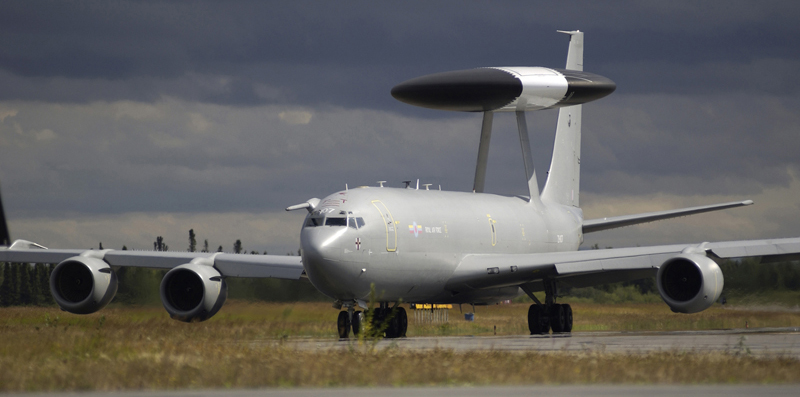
(122,121)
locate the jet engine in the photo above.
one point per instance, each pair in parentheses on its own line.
(83,285)
(193,292)
(689,283)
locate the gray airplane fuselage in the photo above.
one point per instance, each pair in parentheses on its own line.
(409,242)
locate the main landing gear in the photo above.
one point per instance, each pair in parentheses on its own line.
(550,315)
(386,322)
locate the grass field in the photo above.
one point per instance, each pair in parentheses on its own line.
(44,349)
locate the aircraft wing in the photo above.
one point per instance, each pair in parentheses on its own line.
(594,267)
(596,225)
(229,265)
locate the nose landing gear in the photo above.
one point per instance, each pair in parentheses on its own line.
(350,319)
(385,322)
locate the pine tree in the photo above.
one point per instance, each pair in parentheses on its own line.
(44,282)
(237,247)
(219,249)
(36,286)
(13,296)
(25,296)
(192,241)
(5,288)
(205,245)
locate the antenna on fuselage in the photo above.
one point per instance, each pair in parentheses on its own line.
(381,183)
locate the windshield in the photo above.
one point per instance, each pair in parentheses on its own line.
(335,220)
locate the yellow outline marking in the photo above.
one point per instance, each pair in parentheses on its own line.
(386,222)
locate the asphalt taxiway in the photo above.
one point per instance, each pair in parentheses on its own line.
(754,341)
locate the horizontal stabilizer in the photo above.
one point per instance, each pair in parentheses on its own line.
(596,225)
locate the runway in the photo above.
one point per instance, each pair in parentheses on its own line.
(754,341)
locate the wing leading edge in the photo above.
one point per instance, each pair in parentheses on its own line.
(229,265)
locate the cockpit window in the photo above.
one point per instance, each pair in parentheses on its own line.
(311,222)
(355,222)
(330,221)
(349,220)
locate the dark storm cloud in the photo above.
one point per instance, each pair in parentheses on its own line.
(351,53)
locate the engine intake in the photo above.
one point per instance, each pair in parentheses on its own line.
(83,285)
(193,292)
(689,283)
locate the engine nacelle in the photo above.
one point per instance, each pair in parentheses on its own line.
(689,283)
(83,285)
(193,292)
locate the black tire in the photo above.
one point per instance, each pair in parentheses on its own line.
(557,318)
(403,323)
(356,323)
(535,319)
(393,325)
(568,318)
(343,323)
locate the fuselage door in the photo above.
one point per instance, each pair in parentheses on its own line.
(388,222)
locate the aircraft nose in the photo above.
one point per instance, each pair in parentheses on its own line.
(322,259)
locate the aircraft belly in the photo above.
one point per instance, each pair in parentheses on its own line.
(410,276)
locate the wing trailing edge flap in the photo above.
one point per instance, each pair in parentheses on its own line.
(229,265)
(594,267)
(596,225)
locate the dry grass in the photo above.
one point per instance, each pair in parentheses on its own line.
(512,319)
(44,349)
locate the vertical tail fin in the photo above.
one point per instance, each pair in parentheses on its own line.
(563,180)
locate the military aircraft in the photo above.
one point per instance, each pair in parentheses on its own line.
(426,245)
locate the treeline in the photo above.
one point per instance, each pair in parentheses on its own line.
(26,285)
(29,285)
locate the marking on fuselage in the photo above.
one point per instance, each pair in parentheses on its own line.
(415,229)
(494,229)
(358,244)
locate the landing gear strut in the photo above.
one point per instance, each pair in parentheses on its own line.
(386,322)
(550,315)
